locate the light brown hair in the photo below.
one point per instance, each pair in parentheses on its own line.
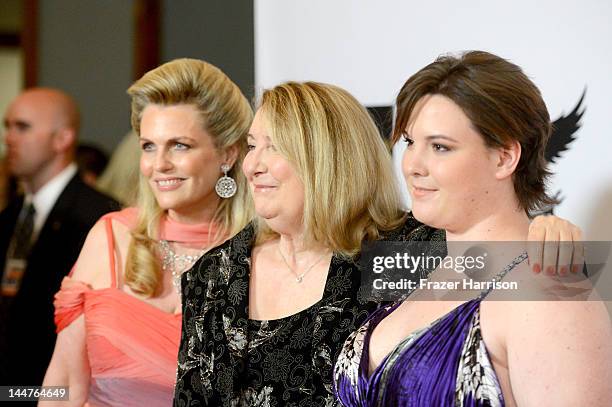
(503,105)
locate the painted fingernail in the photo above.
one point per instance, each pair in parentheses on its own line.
(550,270)
(536,268)
(563,270)
(574,269)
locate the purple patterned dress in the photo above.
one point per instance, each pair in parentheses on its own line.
(443,364)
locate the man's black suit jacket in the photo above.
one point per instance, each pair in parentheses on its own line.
(27,319)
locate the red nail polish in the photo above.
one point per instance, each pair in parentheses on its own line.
(550,270)
(536,268)
(563,270)
(574,269)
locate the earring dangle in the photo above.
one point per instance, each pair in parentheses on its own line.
(226,186)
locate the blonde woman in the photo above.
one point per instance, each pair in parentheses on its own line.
(266,312)
(118,314)
(122,172)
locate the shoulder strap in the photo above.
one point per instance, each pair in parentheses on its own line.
(111,251)
(517,260)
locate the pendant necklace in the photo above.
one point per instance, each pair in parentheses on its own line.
(300,277)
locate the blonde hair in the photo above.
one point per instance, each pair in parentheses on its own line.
(350,193)
(226,115)
(122,172)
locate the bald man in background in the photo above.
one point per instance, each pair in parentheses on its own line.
(42,232)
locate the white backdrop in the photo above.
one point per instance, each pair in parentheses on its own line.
(371,47)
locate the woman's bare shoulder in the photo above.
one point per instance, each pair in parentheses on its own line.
(94,263)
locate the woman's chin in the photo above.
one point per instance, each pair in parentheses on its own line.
(264,214)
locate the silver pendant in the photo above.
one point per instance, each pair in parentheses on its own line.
(226,187)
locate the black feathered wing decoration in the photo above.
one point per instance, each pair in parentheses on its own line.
(563,134)
(383,117)
(563,131)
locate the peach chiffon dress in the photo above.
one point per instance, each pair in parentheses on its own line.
(132,345)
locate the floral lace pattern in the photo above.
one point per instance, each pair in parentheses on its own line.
(225,359)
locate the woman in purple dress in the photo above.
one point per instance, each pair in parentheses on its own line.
(476,128)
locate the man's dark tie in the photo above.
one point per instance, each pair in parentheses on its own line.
(22,238)
(19,250)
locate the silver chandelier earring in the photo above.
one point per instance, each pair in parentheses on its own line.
(226,186)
